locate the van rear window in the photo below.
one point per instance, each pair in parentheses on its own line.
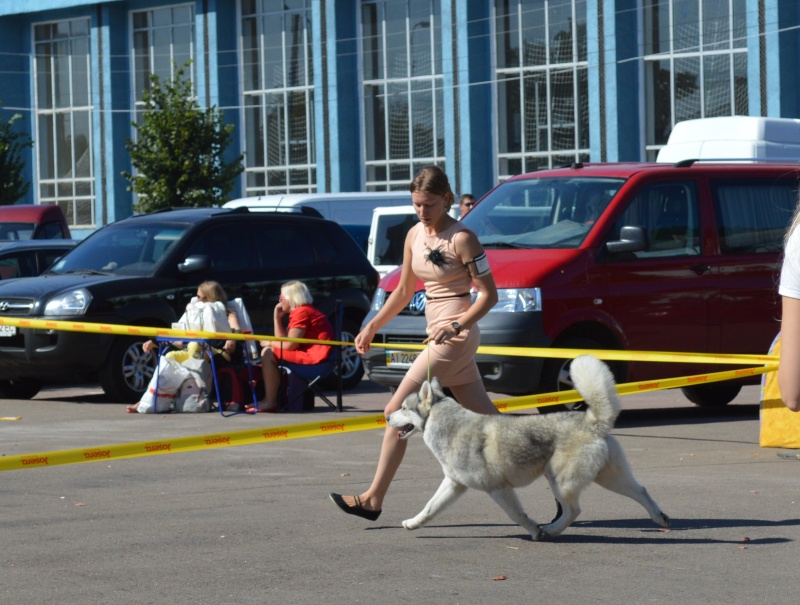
(753,215)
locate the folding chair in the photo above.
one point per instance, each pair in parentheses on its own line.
(251,355)
(311,375)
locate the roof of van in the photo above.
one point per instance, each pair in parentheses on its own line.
(734,137)
(291,199)
(394,210)
(628,169)
(25,213)
(737,128)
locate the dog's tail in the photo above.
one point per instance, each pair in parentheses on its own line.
(595,382)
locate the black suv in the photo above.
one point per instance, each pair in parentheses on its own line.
(143,270)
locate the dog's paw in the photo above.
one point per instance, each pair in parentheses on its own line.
(410,524)
(537,535)
(665,520)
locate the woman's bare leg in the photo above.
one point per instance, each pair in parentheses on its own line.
(272,381)
(392,451)
(473,396)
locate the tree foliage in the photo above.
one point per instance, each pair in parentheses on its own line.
(178,153)
(13,185)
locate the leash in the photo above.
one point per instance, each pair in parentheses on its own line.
(428,349)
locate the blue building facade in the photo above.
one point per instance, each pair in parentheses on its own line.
(356,95)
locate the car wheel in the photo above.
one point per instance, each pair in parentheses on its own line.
(556,378)
(712,395)
(21,388)
(352,366)
(127,371)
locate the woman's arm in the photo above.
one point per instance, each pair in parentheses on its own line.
(233,322)
(789,368)
(468,248)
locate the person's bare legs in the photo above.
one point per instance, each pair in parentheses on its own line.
(472,396)
(272,381)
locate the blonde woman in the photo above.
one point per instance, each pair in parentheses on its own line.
(448,258)
(305,321)
(789,289)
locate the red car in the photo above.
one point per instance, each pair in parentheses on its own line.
(656,257)
(32,221)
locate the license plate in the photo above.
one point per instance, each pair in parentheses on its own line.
(401,359)
(8,331)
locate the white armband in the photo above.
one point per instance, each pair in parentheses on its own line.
(478,265)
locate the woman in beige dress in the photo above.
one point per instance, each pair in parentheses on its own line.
(448,258)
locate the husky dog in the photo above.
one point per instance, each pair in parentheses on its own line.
(495,454)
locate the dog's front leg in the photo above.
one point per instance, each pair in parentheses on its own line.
(507,499)
(445,495)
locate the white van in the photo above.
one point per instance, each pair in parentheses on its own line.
(344,208)
(387,234)
(733,137)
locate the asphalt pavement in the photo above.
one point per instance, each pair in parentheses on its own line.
(253,524)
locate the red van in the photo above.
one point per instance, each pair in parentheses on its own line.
(661,257)
(32,221)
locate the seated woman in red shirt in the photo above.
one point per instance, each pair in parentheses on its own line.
(305,321)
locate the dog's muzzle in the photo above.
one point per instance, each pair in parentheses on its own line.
(405,432)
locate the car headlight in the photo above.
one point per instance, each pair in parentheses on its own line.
(75,302)
(378,299)
(518,300)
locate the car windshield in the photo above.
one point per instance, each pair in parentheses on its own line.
(122,250)
(541,212)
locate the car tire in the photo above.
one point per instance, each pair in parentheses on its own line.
(352,366)
(22,388)
(127,371)
(555,373)
(712,395)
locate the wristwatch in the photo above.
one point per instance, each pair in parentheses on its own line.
(457,327)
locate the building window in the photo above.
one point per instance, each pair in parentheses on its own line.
(403,121)
(163,39)
(542,86)
(277,84)
(695,63)
(63,136)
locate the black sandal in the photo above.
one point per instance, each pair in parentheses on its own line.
(357,509)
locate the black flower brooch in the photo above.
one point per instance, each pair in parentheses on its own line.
(436,257)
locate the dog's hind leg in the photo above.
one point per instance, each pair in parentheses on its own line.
(507,499)
(567,485)
(616,476)
(447,493)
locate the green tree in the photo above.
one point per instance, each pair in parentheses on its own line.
(178,151)
(13,186)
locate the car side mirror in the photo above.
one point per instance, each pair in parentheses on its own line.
(194,263)
(631,239)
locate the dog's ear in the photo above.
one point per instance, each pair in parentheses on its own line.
(426,397)
(438,391)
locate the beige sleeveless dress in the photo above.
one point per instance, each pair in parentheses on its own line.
(447,284)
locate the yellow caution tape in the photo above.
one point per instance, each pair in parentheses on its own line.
(629,388)
(607,354)
(315,429)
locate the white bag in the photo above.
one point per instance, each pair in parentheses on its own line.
(207,316)
(193,393)
(168,378)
